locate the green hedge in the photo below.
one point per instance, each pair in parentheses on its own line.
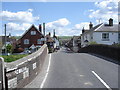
(110,51)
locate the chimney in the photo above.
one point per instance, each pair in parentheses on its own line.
(54,33)
(44,29)
(110,22)
(40,28)
(49,34)
(90,25)
(83,30)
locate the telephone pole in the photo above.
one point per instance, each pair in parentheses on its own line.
(44,32)
(5,40)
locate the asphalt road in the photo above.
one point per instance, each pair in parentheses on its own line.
(80,70)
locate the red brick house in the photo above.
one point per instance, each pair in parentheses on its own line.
(31,39)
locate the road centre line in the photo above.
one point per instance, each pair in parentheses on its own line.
(43,82)
(101,80)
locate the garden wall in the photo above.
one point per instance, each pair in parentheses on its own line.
(104,50)
(23,71)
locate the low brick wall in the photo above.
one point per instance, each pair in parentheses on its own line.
(23,71)
(104,50)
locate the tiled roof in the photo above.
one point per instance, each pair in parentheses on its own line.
(49,39)
(107,28)
(92,29)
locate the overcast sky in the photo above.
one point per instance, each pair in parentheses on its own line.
(67,18)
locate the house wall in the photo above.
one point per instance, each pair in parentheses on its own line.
(113,37)
(32,39)
(85,37)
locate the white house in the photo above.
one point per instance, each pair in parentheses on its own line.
(101,34)
(56,41)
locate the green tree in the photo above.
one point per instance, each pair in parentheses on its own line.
(9,48)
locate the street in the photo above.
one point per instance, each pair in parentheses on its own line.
(80,70)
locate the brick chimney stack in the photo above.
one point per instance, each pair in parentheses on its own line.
(83,30)
(90,25)
(40,28)
(110,22)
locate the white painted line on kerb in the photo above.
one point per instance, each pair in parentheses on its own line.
(103,82)
(43,82)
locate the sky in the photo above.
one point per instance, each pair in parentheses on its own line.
(67,18)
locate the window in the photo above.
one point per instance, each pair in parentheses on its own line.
(39,41)
(33,32)
(26,41)
(42,39)
(105,36)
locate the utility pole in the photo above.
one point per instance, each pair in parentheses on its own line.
(5,40)
(44,32)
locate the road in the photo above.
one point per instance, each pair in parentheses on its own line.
(80,70)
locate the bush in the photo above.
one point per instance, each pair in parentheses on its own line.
(9,48)
(109,51)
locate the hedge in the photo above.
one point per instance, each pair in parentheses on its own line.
(104,50)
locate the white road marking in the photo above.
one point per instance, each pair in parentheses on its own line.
(41,86)
(103,82)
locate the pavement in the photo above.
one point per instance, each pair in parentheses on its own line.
(76,70)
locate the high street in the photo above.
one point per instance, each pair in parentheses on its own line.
(80,70)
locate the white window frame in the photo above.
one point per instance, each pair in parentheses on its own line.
(42,39)
(33,32)
(39,41)
(105,36)
(26,41)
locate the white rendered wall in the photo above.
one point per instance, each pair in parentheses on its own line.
(113,37)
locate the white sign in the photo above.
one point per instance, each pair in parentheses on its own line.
(12,83)
(26,73)
(34,65)
(20,70)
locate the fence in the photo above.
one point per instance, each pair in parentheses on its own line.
(104,50)
(21,72)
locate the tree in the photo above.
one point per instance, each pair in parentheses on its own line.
(9,48)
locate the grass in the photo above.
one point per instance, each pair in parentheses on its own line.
(12,58)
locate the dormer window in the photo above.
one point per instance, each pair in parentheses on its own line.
(33,32)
